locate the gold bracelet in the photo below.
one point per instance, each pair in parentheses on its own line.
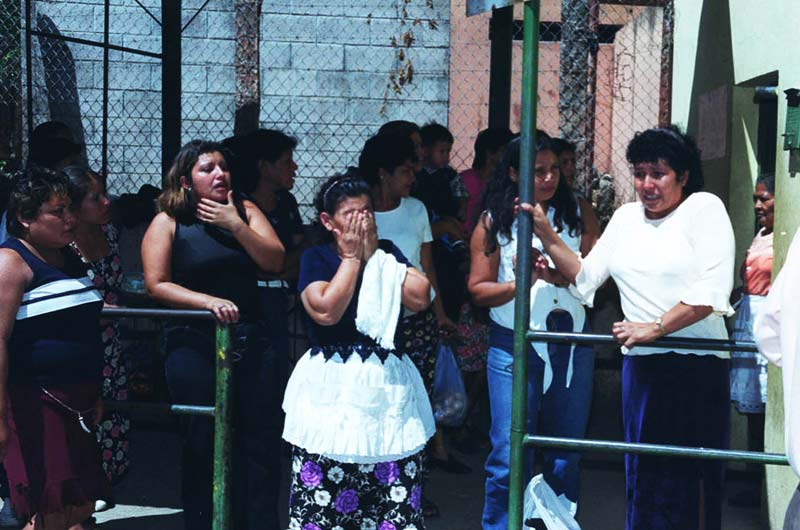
(660,326)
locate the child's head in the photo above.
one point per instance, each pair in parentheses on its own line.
(437,141)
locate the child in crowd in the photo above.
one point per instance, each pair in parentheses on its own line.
(438,184)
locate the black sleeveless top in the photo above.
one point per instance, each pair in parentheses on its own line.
(56,335)
(209,260)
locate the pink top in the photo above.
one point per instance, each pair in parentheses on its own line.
(757,266)
(477,189)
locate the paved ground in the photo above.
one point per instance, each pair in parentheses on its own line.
(148,499)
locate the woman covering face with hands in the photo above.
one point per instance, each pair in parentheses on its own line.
(203,252)
(671,255)
(357,414)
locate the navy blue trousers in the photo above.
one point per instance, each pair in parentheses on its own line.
(677,400)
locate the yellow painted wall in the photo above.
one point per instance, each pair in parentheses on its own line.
(739,43)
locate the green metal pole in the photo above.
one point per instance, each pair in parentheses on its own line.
(530,54)
(222,431)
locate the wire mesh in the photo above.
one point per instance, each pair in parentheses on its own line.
(11,87)
(604,73)
(330,73)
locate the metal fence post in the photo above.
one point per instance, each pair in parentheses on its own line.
(222,430)
(530,52)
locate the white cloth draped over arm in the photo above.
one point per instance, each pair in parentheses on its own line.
(380,298)
(777,333)
(713,253)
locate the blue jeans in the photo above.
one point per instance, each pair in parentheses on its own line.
(561,411)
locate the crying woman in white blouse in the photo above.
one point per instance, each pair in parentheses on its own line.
(672,256)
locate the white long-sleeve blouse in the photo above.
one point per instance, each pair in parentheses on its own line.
(687,256)
(777,333)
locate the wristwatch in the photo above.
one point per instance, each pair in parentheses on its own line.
(660,326)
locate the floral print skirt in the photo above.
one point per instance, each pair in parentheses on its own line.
(418,336)
(330,495)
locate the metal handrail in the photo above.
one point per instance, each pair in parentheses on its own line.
(680,343)
(608,446)
(221,411)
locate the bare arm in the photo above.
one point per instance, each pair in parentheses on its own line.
(416,291)
(591,227)
(680,316)
(567,262)
(14,276)
(486,291)
(156,262)
(256,235)
(326,302)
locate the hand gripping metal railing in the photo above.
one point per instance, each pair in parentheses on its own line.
(519,438)
(651,449)
(221,411)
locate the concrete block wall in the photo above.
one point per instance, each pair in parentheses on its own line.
(324,70)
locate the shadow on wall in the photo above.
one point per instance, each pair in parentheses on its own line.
(710,111)
(60,80)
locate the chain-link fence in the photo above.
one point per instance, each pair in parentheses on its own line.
(604,73)
(11,87)
(329,73)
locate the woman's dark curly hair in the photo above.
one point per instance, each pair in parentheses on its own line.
(30,189)
(677,149)
(332,192)
(500,195)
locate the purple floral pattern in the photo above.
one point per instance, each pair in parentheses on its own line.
(387,472)
(347,501)
(328,494)
(311,474)
(112,434)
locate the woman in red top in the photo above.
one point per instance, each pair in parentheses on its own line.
(749,369)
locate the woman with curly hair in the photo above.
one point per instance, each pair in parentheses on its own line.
(671,254)
(51,360)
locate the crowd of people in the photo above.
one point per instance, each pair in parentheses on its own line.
(404,255)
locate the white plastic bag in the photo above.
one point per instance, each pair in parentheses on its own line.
(543,503)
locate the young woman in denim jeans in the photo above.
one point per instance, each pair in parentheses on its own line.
(560,376)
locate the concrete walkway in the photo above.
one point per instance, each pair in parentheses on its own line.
(149,498)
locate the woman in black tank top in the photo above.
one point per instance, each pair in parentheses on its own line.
(203,251)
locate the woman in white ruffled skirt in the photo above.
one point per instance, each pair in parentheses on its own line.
(357,414)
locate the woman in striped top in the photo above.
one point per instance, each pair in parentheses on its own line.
(51,359)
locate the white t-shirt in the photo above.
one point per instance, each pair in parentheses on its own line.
(406,226)
(688,256)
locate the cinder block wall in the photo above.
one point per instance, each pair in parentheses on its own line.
(324,71)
